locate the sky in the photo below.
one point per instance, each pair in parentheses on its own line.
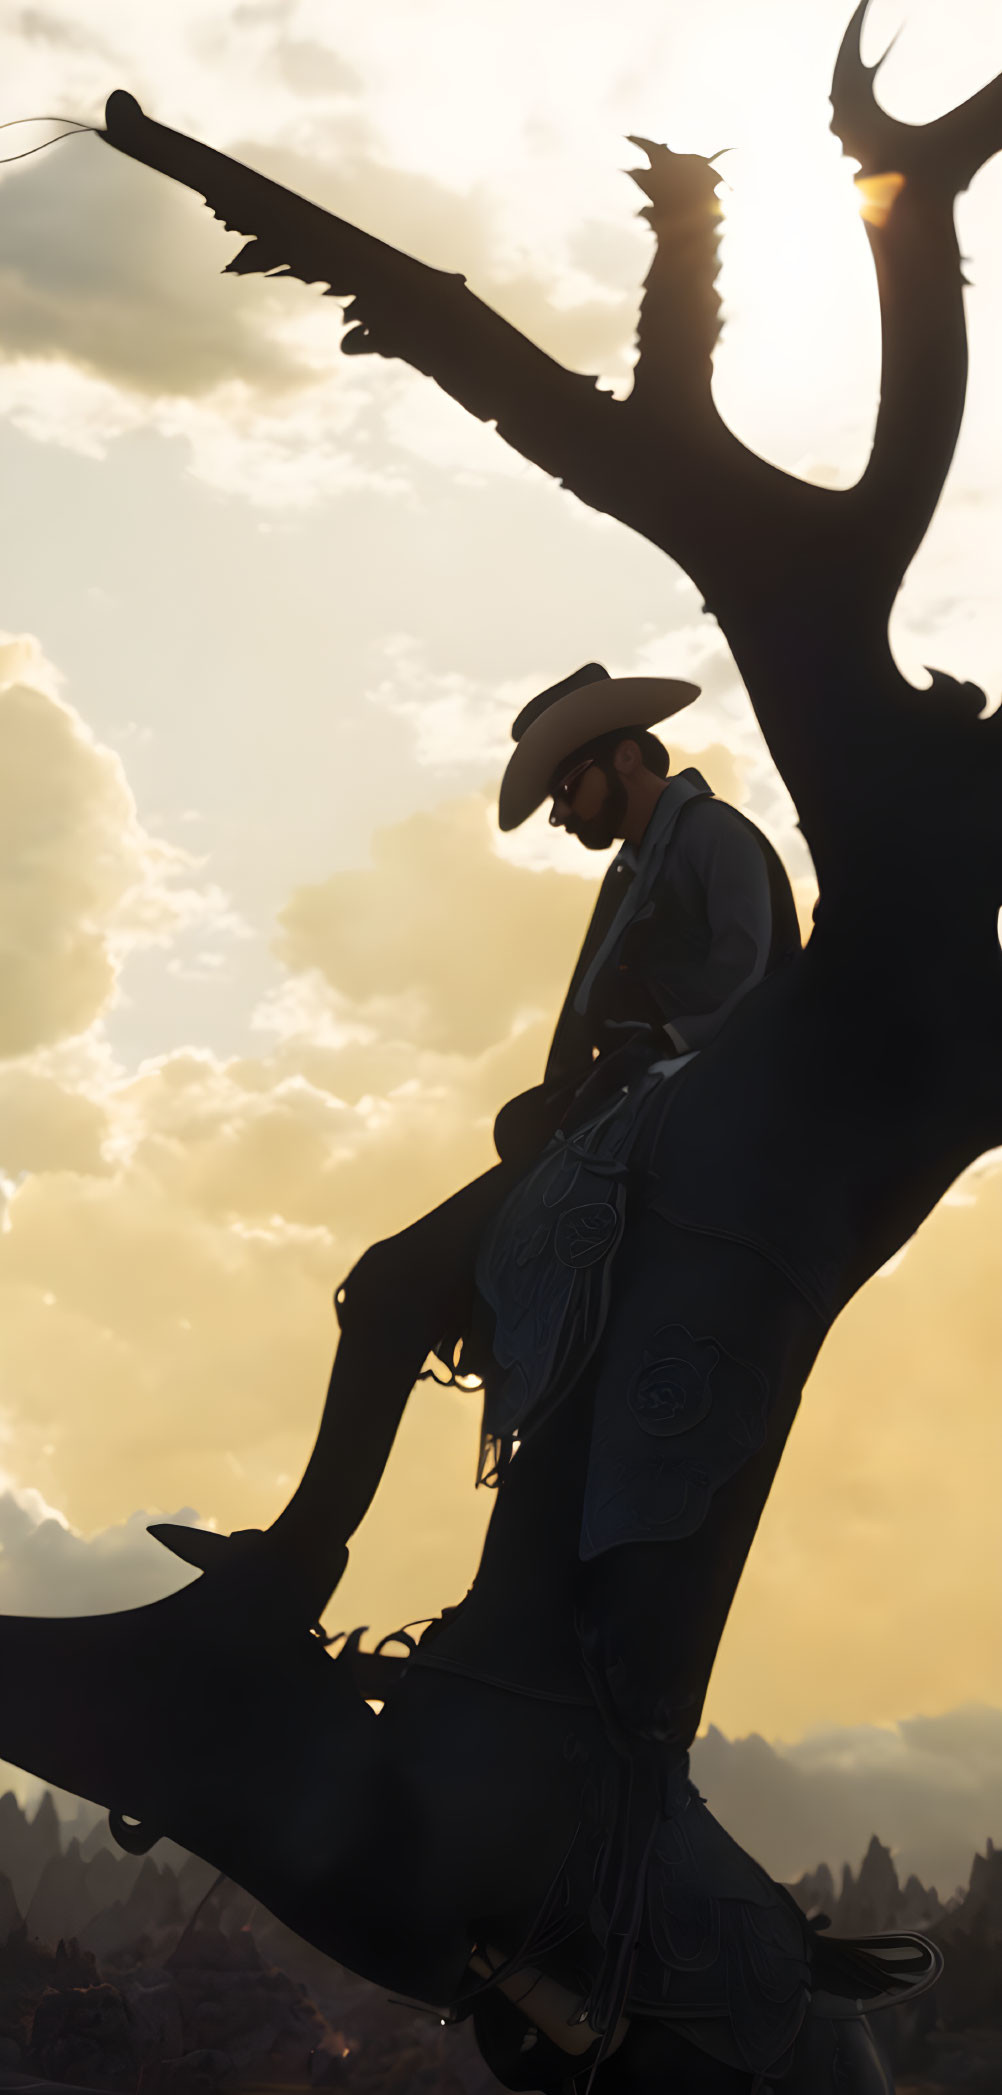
(267,968)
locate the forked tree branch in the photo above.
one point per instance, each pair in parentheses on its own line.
(801,578)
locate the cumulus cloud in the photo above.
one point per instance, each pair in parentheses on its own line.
(177,1234)
(49,1568)
(461,723)
(79,876)
(115,316)
(313,69)
(191,1291)
(116,320)
(42,25)
(47,1126)
(500,955)
(188,1272)
(112,268)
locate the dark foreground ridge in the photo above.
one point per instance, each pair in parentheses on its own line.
(136,1975)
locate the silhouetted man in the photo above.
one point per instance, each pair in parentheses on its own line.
(693,912)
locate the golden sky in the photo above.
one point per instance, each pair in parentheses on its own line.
(267,970)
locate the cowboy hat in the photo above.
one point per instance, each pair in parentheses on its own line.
(565,717)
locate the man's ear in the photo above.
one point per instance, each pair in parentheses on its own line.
(627,758)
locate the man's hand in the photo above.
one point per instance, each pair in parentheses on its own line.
(618,1035)
(529,1121)
(636,1047)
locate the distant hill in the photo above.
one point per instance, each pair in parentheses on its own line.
(116,1968)
(932,1785)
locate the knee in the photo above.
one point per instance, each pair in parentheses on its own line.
(374,1287)
(392,1292)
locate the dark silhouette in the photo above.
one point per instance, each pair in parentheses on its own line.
(693,912)
(793,1157)
(213,1987)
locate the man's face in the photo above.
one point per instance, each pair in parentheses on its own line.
(589,801)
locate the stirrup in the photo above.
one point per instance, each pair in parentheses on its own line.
(860,1974)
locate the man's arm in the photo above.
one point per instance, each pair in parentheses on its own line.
(727,880)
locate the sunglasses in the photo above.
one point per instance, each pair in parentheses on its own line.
(567,785)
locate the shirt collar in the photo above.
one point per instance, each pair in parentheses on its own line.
(635,856)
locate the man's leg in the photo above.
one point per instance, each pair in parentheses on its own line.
(698,1381)
(695,1389)
(404,1296)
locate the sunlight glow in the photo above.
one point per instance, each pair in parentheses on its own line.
(878,194)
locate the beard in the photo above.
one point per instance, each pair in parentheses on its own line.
(601,830)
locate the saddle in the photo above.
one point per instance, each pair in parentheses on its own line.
(544,1266)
